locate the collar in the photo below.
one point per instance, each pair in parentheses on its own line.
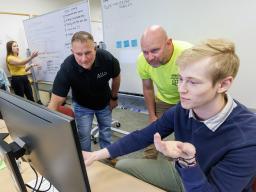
(214,122)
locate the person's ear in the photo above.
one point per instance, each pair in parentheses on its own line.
(72,51)
(225,84)
(169,41)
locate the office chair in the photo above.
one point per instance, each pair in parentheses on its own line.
(66,110)
(115,125)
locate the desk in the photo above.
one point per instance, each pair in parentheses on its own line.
(101,177)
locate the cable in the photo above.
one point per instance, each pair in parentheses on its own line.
(38,188)
(34,188)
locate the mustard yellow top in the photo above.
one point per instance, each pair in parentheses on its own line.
(15,70)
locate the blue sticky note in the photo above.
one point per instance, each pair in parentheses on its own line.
(126,43)
(118,44)
(134,42)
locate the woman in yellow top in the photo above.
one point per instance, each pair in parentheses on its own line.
(18,70)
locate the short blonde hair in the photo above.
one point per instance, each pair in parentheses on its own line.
(224,61)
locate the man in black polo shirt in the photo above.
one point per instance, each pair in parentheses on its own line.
(87,72)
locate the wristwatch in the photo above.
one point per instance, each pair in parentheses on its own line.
(114,98)
(186,163)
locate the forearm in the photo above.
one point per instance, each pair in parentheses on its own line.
(55,102)
(115,86)
(149,97)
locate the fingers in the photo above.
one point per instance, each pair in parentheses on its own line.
(88,158)
(113,104)
(157,142)
(157,137)
(85,154)
(188,150)
(34,54)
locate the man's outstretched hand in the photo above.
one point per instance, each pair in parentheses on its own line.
(174,149)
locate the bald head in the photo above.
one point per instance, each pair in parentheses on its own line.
(156,46)
(154,31)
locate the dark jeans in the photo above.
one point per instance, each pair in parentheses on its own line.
(21,86)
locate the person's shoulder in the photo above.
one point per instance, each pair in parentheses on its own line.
(243,121)
(242,110)
(68,64)
(69,61)
(241,115)
(181,44)
(103,54)
(141,61)
(10,57)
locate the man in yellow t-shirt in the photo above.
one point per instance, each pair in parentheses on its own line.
(156,65)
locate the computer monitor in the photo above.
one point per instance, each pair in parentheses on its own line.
(52,143)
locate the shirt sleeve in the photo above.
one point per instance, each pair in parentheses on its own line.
(142,67)
(11,57)
(61,84)
(116,67)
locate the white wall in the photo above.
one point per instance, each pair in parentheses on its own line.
(38,7)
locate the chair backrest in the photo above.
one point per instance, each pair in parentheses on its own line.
(66,110)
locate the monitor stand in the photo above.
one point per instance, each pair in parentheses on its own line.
(11,152)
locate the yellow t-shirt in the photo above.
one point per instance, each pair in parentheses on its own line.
(164,77)
(15,70)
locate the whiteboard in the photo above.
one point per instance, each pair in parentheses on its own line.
(11,30)
(51,34)
(193,21)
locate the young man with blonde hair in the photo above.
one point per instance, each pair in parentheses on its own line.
(215,147)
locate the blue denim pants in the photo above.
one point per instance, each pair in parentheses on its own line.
(84,118)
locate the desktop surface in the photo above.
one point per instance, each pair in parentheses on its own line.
(101,177)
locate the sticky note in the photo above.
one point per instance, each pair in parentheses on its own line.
(134,42)
(118,44)
(126,43)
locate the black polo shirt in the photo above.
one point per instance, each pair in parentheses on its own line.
(90,88)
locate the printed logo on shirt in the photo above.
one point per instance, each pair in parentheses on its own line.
(174,79)
(102,74)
